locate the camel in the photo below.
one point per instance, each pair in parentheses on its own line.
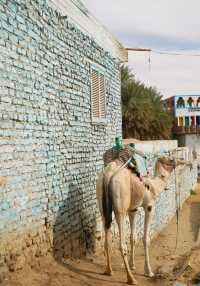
(120,190)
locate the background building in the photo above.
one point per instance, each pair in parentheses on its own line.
(186,112)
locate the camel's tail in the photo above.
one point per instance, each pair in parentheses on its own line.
(107,202)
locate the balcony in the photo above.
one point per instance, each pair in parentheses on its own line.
(186,129)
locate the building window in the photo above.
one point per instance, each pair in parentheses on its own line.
(190,102)
(180,103)
(181,121)
(98,96)
(187,121)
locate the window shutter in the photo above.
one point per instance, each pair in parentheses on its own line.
(95,94)
(102,96)
(98,95)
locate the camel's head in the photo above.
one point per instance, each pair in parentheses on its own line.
(165,165)
(167,160)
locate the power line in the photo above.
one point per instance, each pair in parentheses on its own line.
(175,54)
(161,52)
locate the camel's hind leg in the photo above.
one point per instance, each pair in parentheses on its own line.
(146,240)
(108,249)
(120,218)
(132,220)
(108,234)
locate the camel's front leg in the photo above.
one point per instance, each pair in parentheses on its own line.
(108,248)
(146,240)
(120,218)
(132,216)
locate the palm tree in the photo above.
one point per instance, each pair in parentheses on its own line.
(143,114)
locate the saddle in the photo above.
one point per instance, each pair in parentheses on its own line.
(122,155)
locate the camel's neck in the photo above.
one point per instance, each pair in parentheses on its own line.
(161,179)
(163,172)
(159,183)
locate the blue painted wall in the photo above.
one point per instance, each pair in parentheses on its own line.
(50,151)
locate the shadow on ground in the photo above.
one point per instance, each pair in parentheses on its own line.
(75,225)
(195,220)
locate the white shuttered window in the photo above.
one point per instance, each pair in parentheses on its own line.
(98,96)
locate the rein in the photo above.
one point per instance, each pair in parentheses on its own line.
(122,167)
(177,202)
(177,207)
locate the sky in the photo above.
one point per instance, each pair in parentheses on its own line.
(162,25)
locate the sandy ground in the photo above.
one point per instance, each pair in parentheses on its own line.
(164,259)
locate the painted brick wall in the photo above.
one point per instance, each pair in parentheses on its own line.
(50,151)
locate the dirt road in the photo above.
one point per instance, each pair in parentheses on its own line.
(88,271)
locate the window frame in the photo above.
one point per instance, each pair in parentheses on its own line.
(101,72)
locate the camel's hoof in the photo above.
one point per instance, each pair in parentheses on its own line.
(108,272)
(149,274)
(132,267)
(132,281)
